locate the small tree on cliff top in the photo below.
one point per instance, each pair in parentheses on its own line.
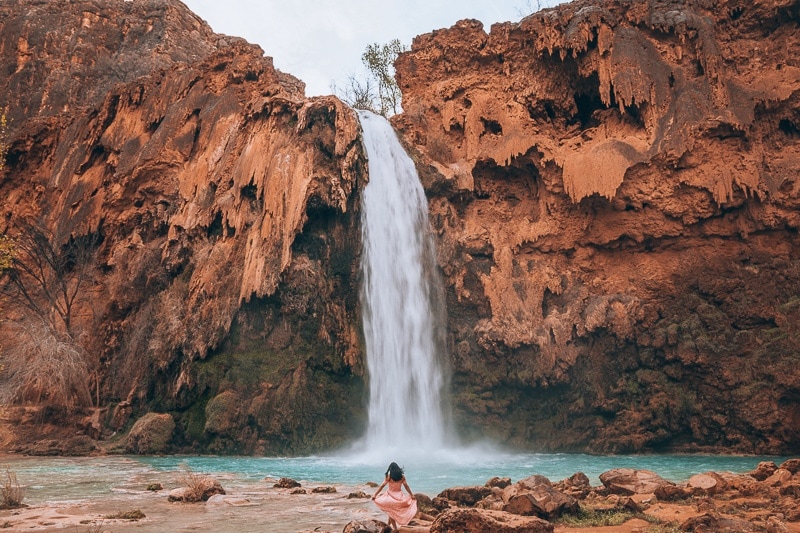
(379,91)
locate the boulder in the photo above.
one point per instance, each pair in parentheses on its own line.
(764,470)
(440,503)
(542,501)
(778,478)
(577,485)
(499,482)
(744,484)
(357,494)
(286,483)
(494,502)
(202,488)
(713,523)
(78,446)
(792,488)
(534,481)
(222,413)
(151,434)
(323,490)
(627,481)
(424,501)
(708,483)
(671,493)
(465,496)
(366,526)
(178,495)
(483,520)
(792,465)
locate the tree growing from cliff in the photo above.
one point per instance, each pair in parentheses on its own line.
(378,91)
(47,276)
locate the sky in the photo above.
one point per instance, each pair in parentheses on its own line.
(320,41)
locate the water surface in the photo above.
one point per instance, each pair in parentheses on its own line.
(52,479)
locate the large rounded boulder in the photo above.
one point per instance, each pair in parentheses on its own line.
(151,434)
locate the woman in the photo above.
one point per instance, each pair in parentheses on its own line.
(400,507)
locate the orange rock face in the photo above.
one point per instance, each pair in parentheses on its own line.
(614,187)
(224,201)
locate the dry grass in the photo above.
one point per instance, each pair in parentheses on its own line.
(11,491)
(42,365)
(196,483)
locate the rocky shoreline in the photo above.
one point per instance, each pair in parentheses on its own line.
(766,499)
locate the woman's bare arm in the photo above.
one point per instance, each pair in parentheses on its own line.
(379,490)
(405,484)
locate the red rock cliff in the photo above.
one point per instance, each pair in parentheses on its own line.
(614,186)
(223,204)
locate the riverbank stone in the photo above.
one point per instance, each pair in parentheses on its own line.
(367,526)
(151,434)
(483,520)
(627,481)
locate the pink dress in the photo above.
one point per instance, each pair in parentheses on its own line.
(397,503)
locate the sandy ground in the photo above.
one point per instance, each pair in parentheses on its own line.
(263,510)
(255,509)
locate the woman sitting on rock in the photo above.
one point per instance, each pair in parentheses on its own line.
(400,507)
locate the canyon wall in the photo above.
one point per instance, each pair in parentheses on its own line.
(614,188)
(221,208)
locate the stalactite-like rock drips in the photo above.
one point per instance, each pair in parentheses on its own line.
(614,187)
(224,200)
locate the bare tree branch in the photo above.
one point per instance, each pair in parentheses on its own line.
(48,275)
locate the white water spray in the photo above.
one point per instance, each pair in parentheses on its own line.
(401,300)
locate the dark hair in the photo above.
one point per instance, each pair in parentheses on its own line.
(394,472)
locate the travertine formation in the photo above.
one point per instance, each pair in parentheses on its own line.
(223,201)
(613,186)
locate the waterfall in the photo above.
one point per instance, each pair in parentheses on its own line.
(401,299)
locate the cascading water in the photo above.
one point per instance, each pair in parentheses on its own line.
(401,300)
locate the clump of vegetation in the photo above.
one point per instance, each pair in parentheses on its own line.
(597,518)
(199,487)
(378,91)
(44,366)
(11,493)
(588,517)
(664,528)
(133,514)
